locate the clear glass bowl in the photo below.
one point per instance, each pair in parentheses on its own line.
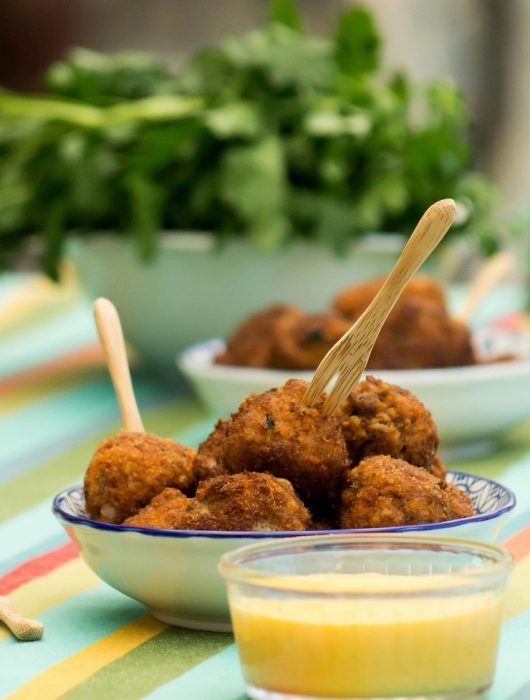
(383,616)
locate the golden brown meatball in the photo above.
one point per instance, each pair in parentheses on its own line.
(274,432)
(351,302)
(161,512)
(383,419)
(302,342)
(206,464)
(129,469)
(437,469)
(419,333)
(250,344)
(387,492)
(247,501)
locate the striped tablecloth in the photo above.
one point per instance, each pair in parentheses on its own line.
(56,404)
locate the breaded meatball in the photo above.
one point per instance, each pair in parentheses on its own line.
(161,512)
(383,419)
(437,469)
(302,342)
(387,492)
(129,469)
(250,344)
(419,332)
(351,302)
(206,464)
(420,335)
(247,501)
(274,432)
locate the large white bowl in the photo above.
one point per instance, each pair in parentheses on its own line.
(472,406)
(174,572)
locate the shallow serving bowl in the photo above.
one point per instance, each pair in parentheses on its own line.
(174,572)
(472,406)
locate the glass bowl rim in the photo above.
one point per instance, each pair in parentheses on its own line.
(232,564)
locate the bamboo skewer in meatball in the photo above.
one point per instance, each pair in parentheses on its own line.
(129,469)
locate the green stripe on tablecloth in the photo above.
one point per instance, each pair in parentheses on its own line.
(27,490)
(71,626)
(69,330)
(153,663)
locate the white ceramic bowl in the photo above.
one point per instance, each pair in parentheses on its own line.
(174,572)
(472,406)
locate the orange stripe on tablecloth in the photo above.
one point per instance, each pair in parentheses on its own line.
(519,544)
(38,566)
(85,356)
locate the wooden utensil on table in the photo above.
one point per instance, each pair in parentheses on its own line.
(111,337)
(349,356)
(24,628)
(495,270)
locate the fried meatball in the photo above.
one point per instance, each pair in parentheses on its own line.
(129,469)
(274,432)
(383,419)
(161,512)
(419,333)
(302,342)
(387,492)
(206,464)
(250,344)
(437,469)
(247,501)
(351,302)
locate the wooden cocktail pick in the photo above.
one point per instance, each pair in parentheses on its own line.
(24,628)
(495,270)
(111,337)
(349,356)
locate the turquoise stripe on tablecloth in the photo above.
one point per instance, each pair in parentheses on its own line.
(217,678)
(41,547)
(70,627)
(27,530)
(63,420)
(59,335)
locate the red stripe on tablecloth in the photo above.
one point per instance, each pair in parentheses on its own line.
(38,566)
(86,355)
(519,544)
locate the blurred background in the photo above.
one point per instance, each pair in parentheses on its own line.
(484,45)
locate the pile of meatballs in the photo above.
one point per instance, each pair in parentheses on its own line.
(419,332)
(278,465)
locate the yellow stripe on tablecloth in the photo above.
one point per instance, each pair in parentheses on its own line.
(518,594)
(33,598)
(62,677)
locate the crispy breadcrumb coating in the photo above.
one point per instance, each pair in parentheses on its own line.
(387,492)
(274,432)
(161,512)
(207,460)
(129,469)
(247,501)
(383,419)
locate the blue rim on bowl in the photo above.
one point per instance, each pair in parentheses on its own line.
(68,507)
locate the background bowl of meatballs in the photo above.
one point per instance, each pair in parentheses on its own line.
(154,516)
(477,385)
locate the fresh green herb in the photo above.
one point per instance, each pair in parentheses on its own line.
(268,423)
(274,135)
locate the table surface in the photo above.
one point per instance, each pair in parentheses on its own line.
(56,405)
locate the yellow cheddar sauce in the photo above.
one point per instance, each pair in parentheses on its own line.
(340,647)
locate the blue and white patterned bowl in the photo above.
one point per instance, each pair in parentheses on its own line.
(174,572)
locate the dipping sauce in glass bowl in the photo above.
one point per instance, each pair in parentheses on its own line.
(367,617)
